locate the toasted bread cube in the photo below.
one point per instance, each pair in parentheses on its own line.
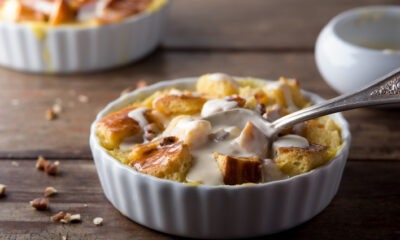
(15,11)
(252,140)
(193,132)
(274,113)
(217,85)
(113,128)
(62,13)
(253,96)
(294,161)
(11,10)
(239,170)
(167,158)
(326,134)
(178,104)
(295,89)
(286,93)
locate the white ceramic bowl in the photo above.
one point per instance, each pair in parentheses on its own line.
(342,58)
(215,211)
(69,49)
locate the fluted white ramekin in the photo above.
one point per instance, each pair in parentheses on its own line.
(215,211)
(69,49)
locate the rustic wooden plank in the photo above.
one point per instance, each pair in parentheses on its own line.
(366,207)
(27,134)
(253,24)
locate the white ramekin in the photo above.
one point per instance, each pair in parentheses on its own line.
(69,49)
(215,211)
(346,66)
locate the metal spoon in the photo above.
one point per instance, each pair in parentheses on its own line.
(385,90)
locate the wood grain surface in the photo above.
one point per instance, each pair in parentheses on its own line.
(273,25)
(30,134)
(367,205)
(259,38)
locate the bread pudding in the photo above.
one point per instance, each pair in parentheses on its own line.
(59,12)
(167,134)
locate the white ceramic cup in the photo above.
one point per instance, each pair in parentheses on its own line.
(215,211)
(359,46)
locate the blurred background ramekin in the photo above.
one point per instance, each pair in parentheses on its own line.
(358,46)
(69,49)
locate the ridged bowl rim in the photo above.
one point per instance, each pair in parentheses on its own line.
(123,101)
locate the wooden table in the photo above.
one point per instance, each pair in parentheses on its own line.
(260,38)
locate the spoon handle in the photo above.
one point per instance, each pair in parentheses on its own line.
(385,90)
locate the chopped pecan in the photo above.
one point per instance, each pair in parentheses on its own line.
(50,114)
(98,221)
(40,203)
(50,191)
(168,141)
(2,189)
(260,108)
(150,131)
(40,163)
(57,217)
(51,168)
(234,98)
(141,84)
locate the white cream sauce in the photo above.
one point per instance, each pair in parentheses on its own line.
(290,140)
(127,144)
(175,92)
(91,10)
(193,132)
(252,140)
(286,92)
(138,115)
(221,77)
(204,167)
(217,105)
(270,171)
(45,7)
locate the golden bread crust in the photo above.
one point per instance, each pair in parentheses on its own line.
(166,158)
(62,13)
(239,170)
(113,128)
(170,104)
(294,161)
(221,88)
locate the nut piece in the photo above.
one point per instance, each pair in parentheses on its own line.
(98,221)
(57,217)
(50,191)
(15,164)
(150,131)
(75,218)
(83,98)
(57,108)
(235,98)
(50,114)
(41,162)
(67,218)
(40,203)
(141,84)
(2,190)
(51,168)
(126,91)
